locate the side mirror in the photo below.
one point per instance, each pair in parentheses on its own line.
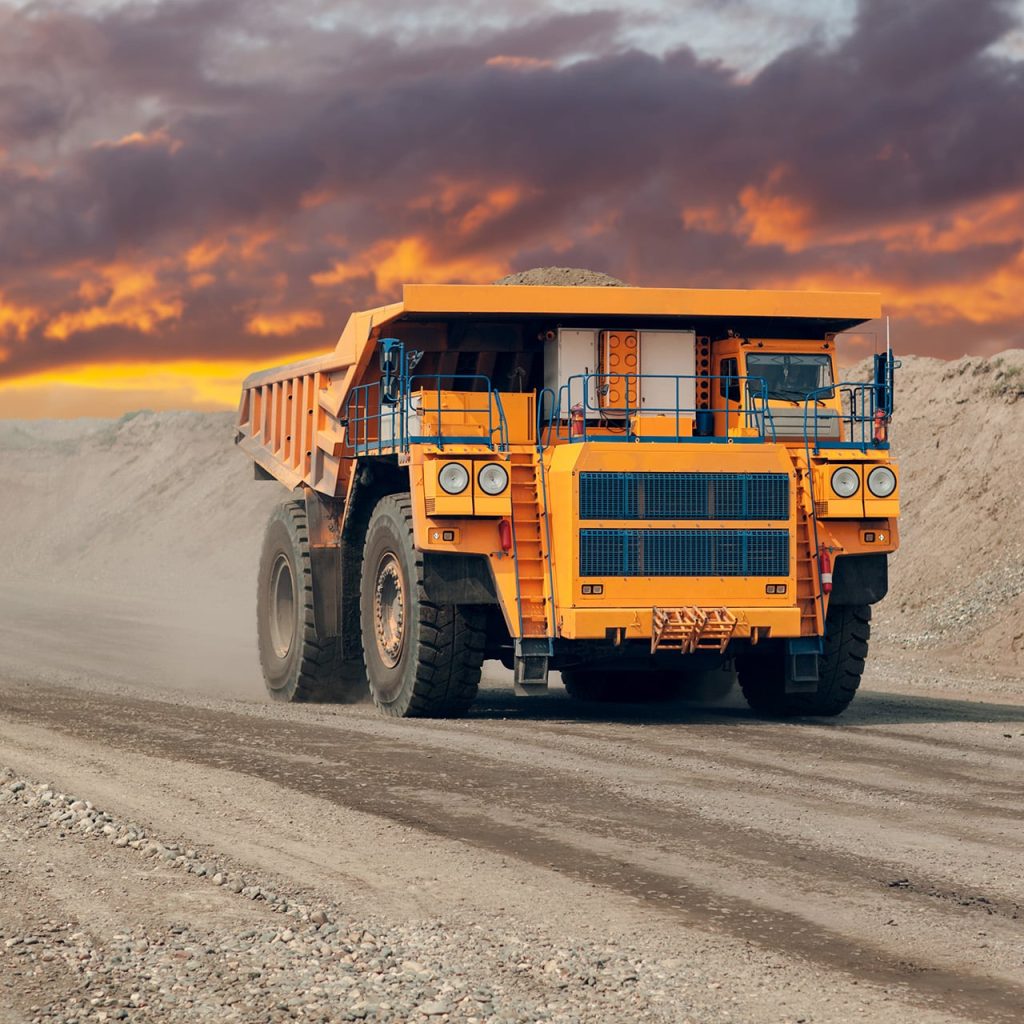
(390,370)
(388,361)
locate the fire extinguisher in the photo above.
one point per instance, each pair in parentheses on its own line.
(825,565)
(576,421)
(881,422)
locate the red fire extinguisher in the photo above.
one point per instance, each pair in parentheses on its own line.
(576,421)
(825,565)
(881,426)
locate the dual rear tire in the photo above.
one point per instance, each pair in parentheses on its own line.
(762,673)
(419,658)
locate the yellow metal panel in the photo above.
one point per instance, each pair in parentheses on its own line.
(490,299)
(485,504)
(437,501)
(636,623)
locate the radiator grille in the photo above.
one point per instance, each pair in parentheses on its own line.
(684,496)
(684,553)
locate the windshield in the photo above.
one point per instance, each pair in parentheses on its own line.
(791,376)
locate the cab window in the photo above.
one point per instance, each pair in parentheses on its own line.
(791,376)
(729,385)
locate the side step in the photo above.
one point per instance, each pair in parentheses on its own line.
(531,666)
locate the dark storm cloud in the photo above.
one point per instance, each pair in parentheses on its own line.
(260,117)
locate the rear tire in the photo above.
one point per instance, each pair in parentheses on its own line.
(297,665)
(762,674)
(422,659)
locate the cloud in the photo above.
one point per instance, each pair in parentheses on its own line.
(205,179)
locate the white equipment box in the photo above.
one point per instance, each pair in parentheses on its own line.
(660,356)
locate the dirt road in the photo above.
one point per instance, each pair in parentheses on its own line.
(670,863)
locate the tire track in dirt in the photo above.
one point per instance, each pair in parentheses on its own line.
(606,838)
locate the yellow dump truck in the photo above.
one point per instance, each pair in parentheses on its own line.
(629,485)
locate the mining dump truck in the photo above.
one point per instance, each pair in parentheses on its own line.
(628,485)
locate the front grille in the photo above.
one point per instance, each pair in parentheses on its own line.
(762,496)
(684,553)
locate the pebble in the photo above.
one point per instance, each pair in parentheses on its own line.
(435,1009)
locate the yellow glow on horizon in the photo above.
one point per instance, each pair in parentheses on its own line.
(116,388)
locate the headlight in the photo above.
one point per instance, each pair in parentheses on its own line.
(881,481)
(453,478)
(845,482)
(492,478)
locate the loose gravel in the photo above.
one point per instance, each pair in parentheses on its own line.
(313,962)
(564,276)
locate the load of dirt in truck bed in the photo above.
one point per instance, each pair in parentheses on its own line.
(162,507)
(565,276)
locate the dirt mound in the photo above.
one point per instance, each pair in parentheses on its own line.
(958,580)
(566,276)
(147,503)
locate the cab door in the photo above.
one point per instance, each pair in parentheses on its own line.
(727,393)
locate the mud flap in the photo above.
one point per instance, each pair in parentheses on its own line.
(802,668)
(325,561)
(530,668)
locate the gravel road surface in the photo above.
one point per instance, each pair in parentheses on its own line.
(170,855)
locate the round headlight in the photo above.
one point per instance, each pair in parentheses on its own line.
(845,482)
(492,478)
(453,478)
(881,481)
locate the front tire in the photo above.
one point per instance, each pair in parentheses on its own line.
(297,665)
(762,674)
(422,659)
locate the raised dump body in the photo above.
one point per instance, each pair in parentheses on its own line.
(626,484)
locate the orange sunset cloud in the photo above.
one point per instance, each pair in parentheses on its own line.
(224,198)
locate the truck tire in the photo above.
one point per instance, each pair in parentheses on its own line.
(762,675)
(297,666)
(422,659)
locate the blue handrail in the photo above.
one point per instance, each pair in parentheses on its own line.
(382,422)
(581,395)
(861,403)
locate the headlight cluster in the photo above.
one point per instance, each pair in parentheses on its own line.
(881,482)
(493,478)
(454,478)
(845,482)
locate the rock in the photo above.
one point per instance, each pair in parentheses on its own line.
(318,917)
(435,1008)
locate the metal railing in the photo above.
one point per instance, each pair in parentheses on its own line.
(578,413)
(863,411)
(381,421)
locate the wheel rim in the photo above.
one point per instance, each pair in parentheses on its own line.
(282,607)
(389,610)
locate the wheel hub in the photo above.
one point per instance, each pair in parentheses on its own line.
(282,607)
(389,610)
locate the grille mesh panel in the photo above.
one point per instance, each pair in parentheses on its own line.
(684,553)
(684,496)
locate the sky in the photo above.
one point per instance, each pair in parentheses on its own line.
(194,189)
